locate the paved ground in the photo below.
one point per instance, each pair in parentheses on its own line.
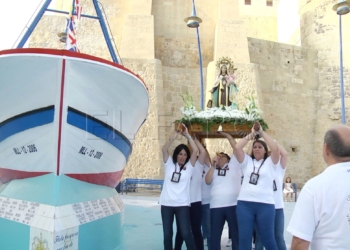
(143,223)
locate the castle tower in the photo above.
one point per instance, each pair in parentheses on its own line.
(319,30)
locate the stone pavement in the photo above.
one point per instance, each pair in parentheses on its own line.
(143,223)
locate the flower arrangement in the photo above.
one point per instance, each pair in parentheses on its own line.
(189,110)
(220,115)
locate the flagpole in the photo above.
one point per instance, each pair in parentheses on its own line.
(69,23)
(99,17)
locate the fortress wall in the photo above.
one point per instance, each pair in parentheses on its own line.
(260,19)
(146,159)
(175,44)
(320,31)
(288,81)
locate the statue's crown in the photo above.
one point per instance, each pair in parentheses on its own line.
(225,61)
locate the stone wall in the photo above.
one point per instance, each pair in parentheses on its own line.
(320,31)
(146,160)
(260,19)
(178,81)
(175,44)
(261,27)
(289,85)
(182,53)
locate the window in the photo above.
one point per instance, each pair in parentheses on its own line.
(269,3)
(248,2)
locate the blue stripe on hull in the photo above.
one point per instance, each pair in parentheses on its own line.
(100,129)
(26,121)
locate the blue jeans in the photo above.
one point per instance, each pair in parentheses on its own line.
(206,223)
(218,216)
(182,216)
(196,221)
(261,214)
(279,231)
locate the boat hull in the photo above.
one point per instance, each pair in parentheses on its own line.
(67,125)
(68,114)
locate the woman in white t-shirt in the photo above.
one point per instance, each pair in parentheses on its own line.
(279,205)
(175,195)
(256,203)
(196,202)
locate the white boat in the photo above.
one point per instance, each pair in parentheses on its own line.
(67,113)
(67,124)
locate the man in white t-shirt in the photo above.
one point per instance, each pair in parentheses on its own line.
(321,217)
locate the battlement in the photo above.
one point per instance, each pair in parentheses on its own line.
(266,2)
(267,8)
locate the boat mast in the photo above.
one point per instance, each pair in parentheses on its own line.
(98,17)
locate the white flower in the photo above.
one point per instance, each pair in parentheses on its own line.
(188,112)
(225,114)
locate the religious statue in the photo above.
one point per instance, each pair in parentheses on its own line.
(225,88)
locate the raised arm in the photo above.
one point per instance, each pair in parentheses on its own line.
(193,145)
(202,152)
(238,151)
(167,145)
(275,153)
(209,176)
(284,155)
(230,139)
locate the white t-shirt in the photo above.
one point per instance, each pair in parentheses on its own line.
(176,194)
(225,189)
(205,187)
(263,191)
(322,213)
(278,194)
(196,183)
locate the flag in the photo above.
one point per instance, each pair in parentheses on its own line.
(71,43)
(72,21)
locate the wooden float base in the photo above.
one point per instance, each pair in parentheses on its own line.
(198,130)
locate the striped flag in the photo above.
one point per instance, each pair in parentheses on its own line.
(72,21)
(71,43)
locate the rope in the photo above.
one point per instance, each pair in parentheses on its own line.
(110,31)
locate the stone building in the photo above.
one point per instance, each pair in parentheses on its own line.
(286,52)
